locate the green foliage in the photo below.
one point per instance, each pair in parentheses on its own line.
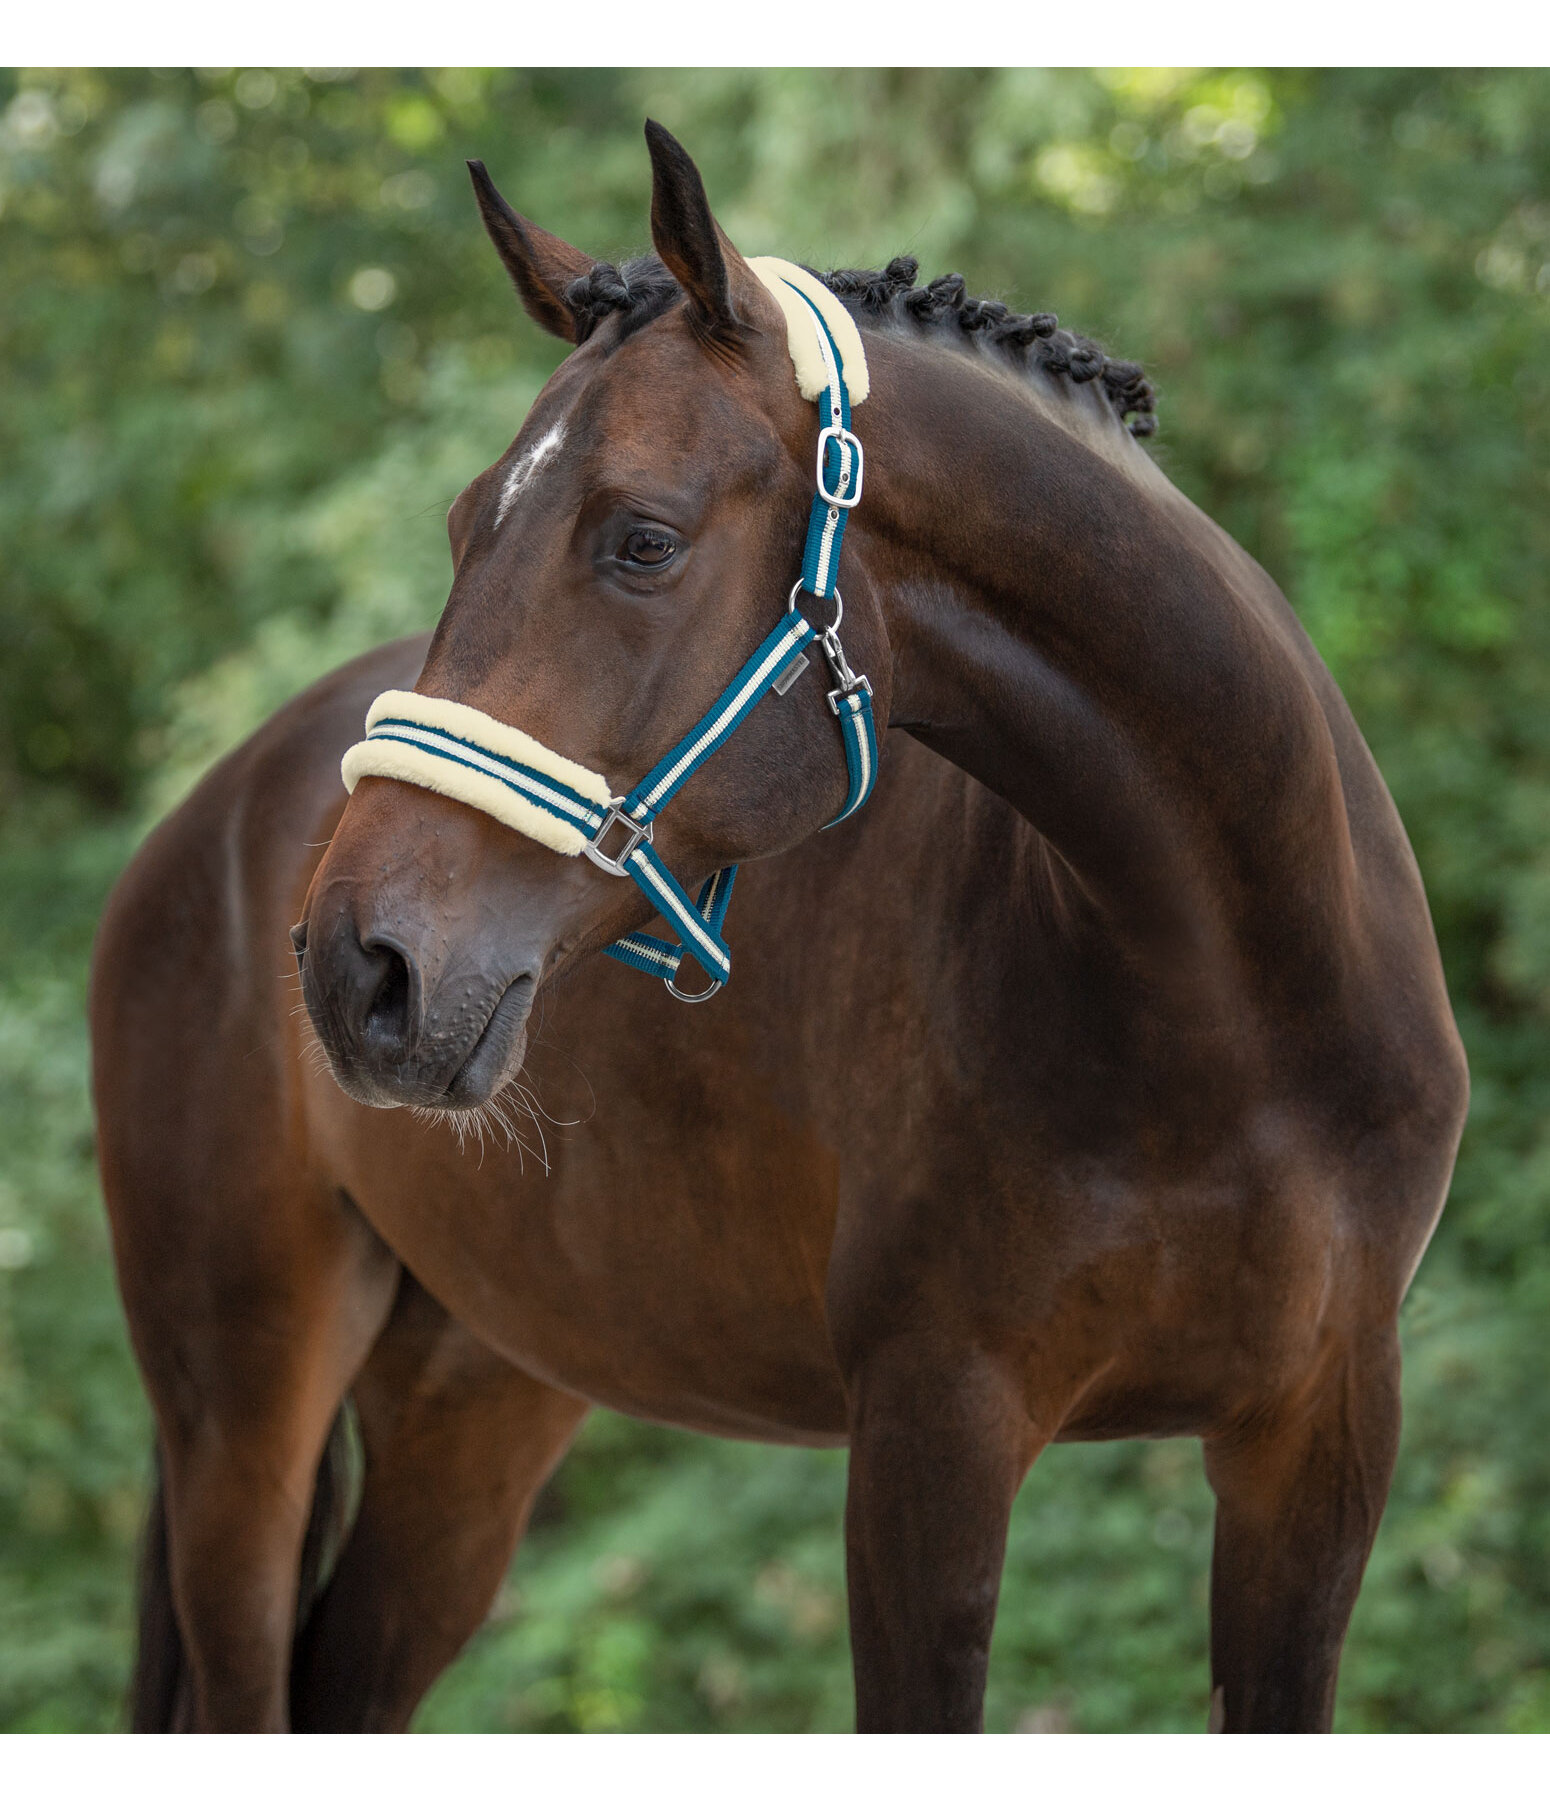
(73,1426)
(253,344)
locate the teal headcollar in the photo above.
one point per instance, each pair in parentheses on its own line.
(464,753)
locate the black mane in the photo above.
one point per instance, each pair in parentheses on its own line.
(643,290)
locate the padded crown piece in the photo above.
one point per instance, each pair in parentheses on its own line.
(780,277)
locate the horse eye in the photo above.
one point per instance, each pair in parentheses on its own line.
(648,549)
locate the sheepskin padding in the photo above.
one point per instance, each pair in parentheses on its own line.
(484,733)
(802,334)
(400,761)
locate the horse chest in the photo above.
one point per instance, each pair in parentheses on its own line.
(685,1290)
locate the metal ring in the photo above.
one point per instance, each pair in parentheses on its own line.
(839,604)
(691,999)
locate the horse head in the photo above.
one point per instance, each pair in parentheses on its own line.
(612,570)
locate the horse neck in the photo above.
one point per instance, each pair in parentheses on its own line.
(1075,634)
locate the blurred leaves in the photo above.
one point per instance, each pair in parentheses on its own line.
(254,343)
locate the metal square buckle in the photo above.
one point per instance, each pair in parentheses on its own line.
(849,438)
(838,696)
(636,835)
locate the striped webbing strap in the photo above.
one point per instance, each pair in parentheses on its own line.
(459,751)
(837,490)
(840,466)
(699,925)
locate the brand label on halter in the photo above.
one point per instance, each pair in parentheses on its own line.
(780,276)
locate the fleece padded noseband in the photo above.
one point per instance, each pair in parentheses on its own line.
(465,754)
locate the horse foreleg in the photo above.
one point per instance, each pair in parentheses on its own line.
(1299,1497)
(458,1443)
(939,1446)
(247,1369)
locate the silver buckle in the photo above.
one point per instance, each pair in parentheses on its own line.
(859,686)
(840,436)
(638,835)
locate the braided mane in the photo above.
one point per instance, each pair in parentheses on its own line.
(643,290)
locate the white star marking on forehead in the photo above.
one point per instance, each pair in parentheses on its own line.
(527,466)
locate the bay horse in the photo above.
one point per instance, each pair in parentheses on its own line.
(1097,1080)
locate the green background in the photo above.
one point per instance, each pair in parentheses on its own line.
(252,342)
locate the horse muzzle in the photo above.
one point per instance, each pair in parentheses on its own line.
(396,1035)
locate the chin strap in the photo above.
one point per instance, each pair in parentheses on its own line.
(469,756)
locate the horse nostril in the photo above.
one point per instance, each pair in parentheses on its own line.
(387,1015)
(299,941)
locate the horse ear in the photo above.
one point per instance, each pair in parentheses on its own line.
(541,265)
(697,251)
